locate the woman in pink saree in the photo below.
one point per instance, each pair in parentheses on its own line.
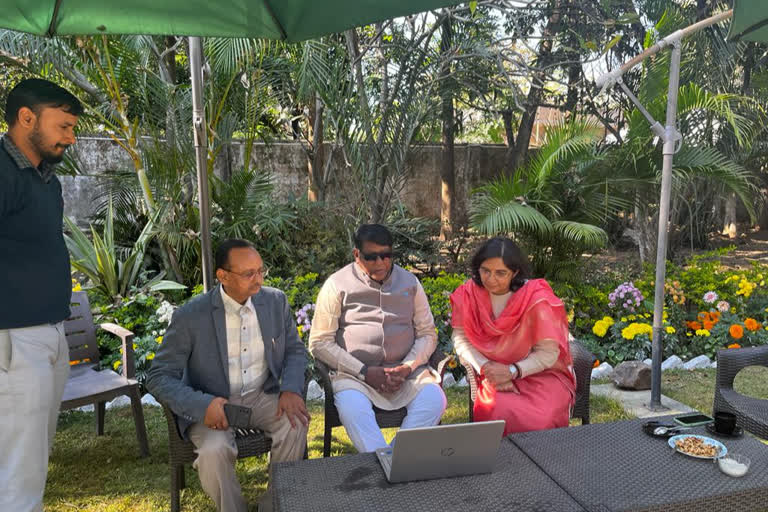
(514,332)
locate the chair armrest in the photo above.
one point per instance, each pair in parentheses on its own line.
(732,360)
(471,378)
(126,337)
(325,378)
(438,360)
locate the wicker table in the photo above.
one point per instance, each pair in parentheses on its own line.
(357,482)
(617,467)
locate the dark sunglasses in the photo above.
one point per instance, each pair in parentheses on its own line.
(373,256)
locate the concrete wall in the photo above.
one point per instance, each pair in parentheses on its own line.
(286,161)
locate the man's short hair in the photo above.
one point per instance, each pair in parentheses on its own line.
(374,233)
(225,247)
(36,94)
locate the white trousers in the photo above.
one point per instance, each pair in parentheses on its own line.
(357,416)
(34,367)
(217,452)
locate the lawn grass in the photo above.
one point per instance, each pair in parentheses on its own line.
(105,474)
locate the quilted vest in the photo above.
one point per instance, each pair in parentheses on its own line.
(376,322)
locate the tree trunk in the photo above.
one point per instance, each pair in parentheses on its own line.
(447,170)
(729,218)
(536,91)
(509,131)
(316,180)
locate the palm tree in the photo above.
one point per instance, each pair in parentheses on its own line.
(555,203)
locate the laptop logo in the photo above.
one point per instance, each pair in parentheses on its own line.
(446,452)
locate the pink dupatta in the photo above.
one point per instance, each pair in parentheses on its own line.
(532,314)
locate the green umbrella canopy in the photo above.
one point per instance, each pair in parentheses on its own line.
(291,20)
(750,21)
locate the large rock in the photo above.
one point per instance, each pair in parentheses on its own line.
(632,375)
(315,391)
(671,363)
(462,383)
(602,371)
(713,365)
(701,361)
(120,401)
(448,380)
(648,361)
(149,400)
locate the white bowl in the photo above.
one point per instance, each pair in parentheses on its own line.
(734,464)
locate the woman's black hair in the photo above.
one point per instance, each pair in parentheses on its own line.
(509,252)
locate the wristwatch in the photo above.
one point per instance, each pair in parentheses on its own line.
(514,370)
(364,370)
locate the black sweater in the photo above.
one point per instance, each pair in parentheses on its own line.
(35,285)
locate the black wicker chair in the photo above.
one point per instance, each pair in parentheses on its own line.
(250,443)
(582,367)
(751,413)
(385,419)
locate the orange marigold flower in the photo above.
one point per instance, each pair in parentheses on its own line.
(596,363)
(734,345)
(736,331)
(715,316)
(694,326)
(702,316)
(751,324)
(708,324)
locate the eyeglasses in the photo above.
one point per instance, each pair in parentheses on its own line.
(249,274)
(498,274)
(373,256)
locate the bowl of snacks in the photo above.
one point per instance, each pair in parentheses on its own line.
(700,447)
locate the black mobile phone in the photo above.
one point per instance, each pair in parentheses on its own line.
(693,420)
(238,416)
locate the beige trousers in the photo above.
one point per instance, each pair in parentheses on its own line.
(34,367)
(216,449)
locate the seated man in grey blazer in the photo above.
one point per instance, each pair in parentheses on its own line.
(237,343)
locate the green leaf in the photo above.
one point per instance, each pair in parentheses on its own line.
(612,43)
(472,7)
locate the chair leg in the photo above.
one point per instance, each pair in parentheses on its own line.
(100,410)
(182,477)
(138,420)
(327,439)
(177,483)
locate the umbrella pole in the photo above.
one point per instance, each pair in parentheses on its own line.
(201,157)
(672,140)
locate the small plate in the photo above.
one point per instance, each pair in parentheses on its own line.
(650,426)
(737,432)
(720,447)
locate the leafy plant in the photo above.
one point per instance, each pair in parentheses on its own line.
(100,260)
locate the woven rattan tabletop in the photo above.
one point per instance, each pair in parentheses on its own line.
(357,482)
(617,467)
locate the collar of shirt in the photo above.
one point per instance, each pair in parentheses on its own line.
(232,306)
(45,170)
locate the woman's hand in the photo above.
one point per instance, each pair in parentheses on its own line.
(497,374)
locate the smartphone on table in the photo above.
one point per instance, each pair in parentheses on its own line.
(693,420)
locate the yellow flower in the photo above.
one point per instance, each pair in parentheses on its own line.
(300,329)
(77,287)
(135,346)
(150,356)
(647,315)
(670,329)
(571,314)
(600,328)
(631,318)
(608,320)
(452,363)
(623,319)
(116,364)
(689,334)
(159,340)
(702,332)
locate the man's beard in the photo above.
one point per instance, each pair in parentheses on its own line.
(36,139)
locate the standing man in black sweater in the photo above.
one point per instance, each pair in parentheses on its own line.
(35,286)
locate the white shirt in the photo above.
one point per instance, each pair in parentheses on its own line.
(245,346)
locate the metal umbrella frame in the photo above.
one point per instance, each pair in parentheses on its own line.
(672,140)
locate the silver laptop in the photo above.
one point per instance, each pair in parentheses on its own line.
(442,451)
